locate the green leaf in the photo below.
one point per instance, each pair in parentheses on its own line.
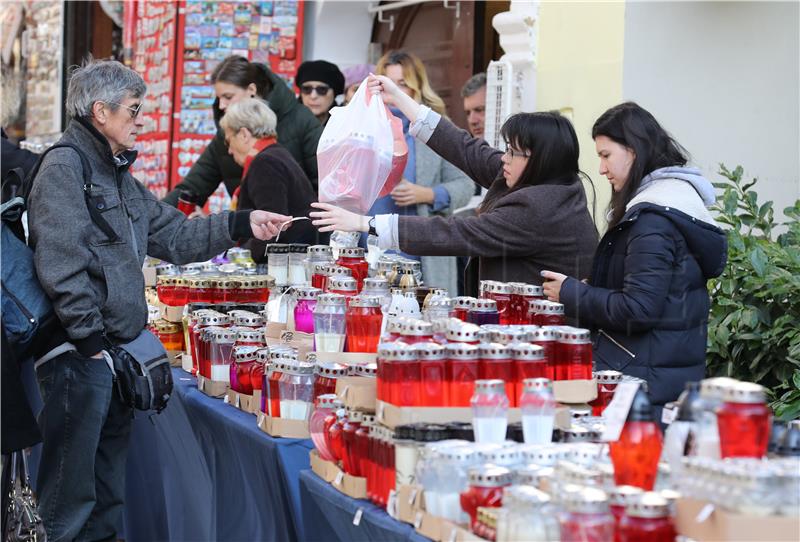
(759,261)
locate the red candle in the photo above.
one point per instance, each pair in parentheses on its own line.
(635,455)
(391,370)
(529,362)
(353,259)
(500,292)
(618,499)
(587,518)
(647,519)
(244,358)
(433,377)
(350,463)
(165,288)
(547,339)
(522,295)
(325,377)
(606,384)
(462,372)
(363,321)
(486,485)
(574,354)
(744,421)
(496,363)
(362,444)
(461,306)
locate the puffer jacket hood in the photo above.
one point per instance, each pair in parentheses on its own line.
(691,175)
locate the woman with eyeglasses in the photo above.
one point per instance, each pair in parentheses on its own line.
(319,82)
(534,216)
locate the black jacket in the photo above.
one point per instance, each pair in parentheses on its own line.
(298,131)
(648,302)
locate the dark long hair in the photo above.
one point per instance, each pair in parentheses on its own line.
(634,127)
(551,140)
(238,71)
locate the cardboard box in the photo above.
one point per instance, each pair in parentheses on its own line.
(435,528)
(149,276)
(278,427)
(243,402)
(186,362)
(391,416)
(172,314)
(357,392)
(346,358)
(175,358)
(352,486)
(276,333)
(717,524)
(575,391)
(324,469)
(212,388)
(409,502)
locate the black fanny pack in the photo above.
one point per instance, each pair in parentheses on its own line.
(144,376)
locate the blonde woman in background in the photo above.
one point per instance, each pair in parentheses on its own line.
(431,186)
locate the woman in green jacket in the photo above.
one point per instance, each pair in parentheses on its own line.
(298,130)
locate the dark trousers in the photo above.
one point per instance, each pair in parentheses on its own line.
(85,428)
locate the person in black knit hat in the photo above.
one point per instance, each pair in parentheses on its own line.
(319,82)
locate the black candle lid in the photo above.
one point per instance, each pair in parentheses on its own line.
(641,407)
(277,248)
(514,432)
(690,403)
(431,432)
(461,431)
(405,432)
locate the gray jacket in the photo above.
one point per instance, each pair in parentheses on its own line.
(97,287)
(433,170)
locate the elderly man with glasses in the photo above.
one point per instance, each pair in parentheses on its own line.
(96,285)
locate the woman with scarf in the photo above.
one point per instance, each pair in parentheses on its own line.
(431,186)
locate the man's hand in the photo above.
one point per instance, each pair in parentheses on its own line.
(266,225)
(552,284)
(407,193)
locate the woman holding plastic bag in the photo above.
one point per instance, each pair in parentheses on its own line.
(534,216)
(427,184)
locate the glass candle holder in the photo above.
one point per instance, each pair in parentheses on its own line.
(522,295)
(345,286)
(296,390)
(317,255)
(484,311)
(500,292)
(647,519)
(538,410)
(319,273)
(325,377)
(547,313)
(574,354)
(278,263)
(170,335)
(297,268)
(529,362)
(636,453)
(462,372)
(489,411)
(322,417)
(329,323)
(496,363)
(486,485)
(619,497)
(165,288)
(396,361)
(432,374)
(378,287)
(350,463)
(416,331)
(363,320)
(587,517)
(304,309)
(461,306)
(547,338)
(221,354)
(244,357)
(607,382)
(744,421)
(353,259)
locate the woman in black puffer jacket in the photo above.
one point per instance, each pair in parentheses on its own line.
(647,301)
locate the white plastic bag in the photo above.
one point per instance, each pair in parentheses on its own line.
(355,152)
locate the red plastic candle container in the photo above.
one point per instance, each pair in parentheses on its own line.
(618,499)
(461,306)
(353,259)
(744,421)
(432,374)
(529,362)
(258,369)
(345,286)
(547,313)
(350,462)
(462,372)
(404,379)
(363,322)
(587,517)
(636,453)
(647,519)
(496,363)
(244,357)
(334,271)
(325,377)
(362,444)
(522,296)
(574,354)
(336,436)
(484,312)
(606,384)
(500,292)
(318,275)
(390,355)
(322,417)
(486,484)
(546,338)
(416,331)
(165,288)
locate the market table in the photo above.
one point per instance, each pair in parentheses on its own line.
(203,470)
(328,515)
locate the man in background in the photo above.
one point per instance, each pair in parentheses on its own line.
(474,94)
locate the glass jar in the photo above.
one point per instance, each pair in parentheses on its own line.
(451,465)
(244,357)
(462,372)
(496,363)
(363,320)
(636,453)
(297,269)
(416,331)
(522,295)
(221,354)
(350,463)
(461,306)
(296,390)
(574,354)
(304,309)
(278,263)
(170,335)
(192,333)
(378,287)
(538,410)
(486,485)
(547,339)
(257,370)
(547,313)
(607,382)
(500,292)
(317,255)
(319,273)
(353,259)
(326,375)
(744,421)
(712,392)
(489,411)
(483,311)
(165,288)
(432,374)
(329,323)
(529,362)
(619,497)
(275,370)
(587,518)
(647,519)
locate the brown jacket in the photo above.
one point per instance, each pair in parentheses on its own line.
(527,230)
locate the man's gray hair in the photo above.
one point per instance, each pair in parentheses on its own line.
(106,81)
(251,113)
(475,83)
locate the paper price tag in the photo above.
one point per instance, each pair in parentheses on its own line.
(418,520)
(704,513)
(669,413)
(412,497)
(453,536)
(380,411)
(357,517)
(616,412)
(287,336)
(226,399)
(338,480)
(391,504)
(238,401)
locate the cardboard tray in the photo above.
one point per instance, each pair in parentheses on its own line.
(245,403)
(357,392)
(212,388)
(352,486)
(409,499)
(278,427)
(172,314)
(575,391)
(175,358)
(722,525)
(391,416)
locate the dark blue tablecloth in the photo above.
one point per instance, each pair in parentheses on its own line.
(202,470)
(328,515)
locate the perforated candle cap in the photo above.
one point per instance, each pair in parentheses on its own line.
(494,287)
(541,454)
(589,500)
(248,319)
(512,335)
(367,370)
(607,377)
(376,283)
(298,248)
(489,476)
(537,385)
(492,385)
(744,392)
(339,271)
(462,351)
(417,328)
(244,354)
(714,388)
(648,505)
(277,248)
(574,335)
(214,319)
(622,495)
(331,370)
(250,335)
(307,292)
(466,333)
(527,290)
(343,284)
(483,305)
(352,252)
(223,334)
(328,400)
(430,351)
(527,352)
(544,334)
(463,302)
(319,250)
(365,301)
(396,352)
(331,300)
(494,351)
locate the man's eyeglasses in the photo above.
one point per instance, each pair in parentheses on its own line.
(321,90)
(133,110)
(512,153)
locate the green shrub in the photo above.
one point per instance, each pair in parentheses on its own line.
(754,325)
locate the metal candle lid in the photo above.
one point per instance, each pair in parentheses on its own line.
(494,287)
(622,495)
(277,248)
(320,268)
(319,250)
(589,500)
(248,319)
(494,351)
(245,354)
(417,328)
(355,416)
(500,455)
(512,335)
(527,351)
(457,454)
(537,385)
(544,334)
(430,351)
(213,319)
(649,505)
(328,400)
(365,301)
(547,307)
(376,283)
(607,377)
(331,300)
(250,335)
(166,280)
(396,352)
(167,269)
(483,305)
(543,455)
(462,351)
(574,335)
(744,392)
(489,476)
(466,333)
(223,334)
(353,252)
(307,292)
(262,355)
(367,370)
(528,290)
(441,303)
(462,302)
(338,271)
(331,370)
(298,248)
(343,284)
(492,385)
